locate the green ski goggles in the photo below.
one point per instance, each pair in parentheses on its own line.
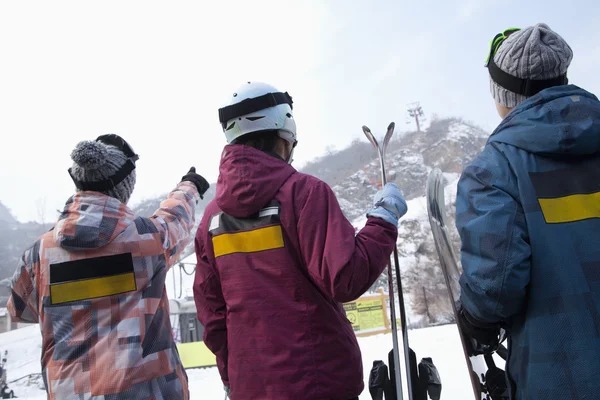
(497,41)
(525,87)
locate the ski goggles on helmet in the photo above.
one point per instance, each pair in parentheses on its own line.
(525,87)
(122,173)
(249,106)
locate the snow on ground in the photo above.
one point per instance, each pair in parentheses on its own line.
(442,344)
(24,348)
(417,209)
(460,130)
(407,246)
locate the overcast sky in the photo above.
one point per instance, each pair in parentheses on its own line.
(157,72)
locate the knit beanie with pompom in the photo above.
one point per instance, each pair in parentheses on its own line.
(95,161)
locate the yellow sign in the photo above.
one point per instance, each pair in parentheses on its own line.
(365,314)
(196,355)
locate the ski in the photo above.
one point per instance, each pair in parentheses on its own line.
(486,379)
(396,380)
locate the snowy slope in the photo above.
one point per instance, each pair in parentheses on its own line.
(449,145)
(440,343)
(24,348)
(419,264)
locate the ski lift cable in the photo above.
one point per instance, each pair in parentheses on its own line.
(174,282)
(181,265)
(180,281)
(25,376)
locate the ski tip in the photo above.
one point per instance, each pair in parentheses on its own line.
(391,126)
(366,129)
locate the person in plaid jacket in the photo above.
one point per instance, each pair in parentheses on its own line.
(96,283)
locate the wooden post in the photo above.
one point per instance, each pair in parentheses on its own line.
(386,320)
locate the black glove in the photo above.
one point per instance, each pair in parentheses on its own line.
(486,336)
(201,183)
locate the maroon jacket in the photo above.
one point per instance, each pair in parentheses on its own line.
(276,258)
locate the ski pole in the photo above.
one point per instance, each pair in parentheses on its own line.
(381,153)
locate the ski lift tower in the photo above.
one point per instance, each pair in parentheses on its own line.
(416,111)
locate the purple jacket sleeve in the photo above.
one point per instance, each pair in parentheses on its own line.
(342,265)
(211,308)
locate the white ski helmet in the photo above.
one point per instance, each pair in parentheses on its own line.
(256,107)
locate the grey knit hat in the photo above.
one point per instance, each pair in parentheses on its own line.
(536,52)
(96,161)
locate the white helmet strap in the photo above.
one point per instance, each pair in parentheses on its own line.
(290,159)
(249,106)
(291,139)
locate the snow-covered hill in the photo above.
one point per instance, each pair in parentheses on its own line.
(419,265)
(15,237)
(448,144)
(6,216)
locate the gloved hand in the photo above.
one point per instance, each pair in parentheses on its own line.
(486,336)
(388,204)
(201,183)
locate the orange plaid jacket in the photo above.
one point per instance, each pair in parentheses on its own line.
(96,285)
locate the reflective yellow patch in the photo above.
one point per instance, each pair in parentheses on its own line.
(92,288)
(195,355)
(572,208)
(261,239)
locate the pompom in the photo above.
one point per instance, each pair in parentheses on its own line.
(89,154)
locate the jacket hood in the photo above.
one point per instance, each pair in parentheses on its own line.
(563,120)
(249,179)
(91,220)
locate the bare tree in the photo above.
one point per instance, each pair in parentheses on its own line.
(41,209)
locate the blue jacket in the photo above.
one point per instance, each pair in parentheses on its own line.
(528,213)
